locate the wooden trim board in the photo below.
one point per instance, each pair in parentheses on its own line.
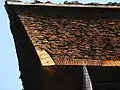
(46,60)
(89,62)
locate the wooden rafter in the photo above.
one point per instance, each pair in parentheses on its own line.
(46,60)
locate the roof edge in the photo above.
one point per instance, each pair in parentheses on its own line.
(57,5)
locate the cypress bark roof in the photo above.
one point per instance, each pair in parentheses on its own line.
(73,36)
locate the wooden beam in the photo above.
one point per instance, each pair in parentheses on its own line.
(45,58)
(87,83)
(103,63)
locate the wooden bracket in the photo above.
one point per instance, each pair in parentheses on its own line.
(45,58)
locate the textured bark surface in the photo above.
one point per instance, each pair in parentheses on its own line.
(71,35)
(69,39)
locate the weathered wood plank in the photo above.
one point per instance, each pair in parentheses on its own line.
(45,58)
(88,62)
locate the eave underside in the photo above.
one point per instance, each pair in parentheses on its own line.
(37,77)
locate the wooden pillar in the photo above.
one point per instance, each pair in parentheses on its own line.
(87,84)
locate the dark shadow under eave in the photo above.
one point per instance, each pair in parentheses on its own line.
(29,64)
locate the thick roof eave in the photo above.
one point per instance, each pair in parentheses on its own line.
(58,5)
